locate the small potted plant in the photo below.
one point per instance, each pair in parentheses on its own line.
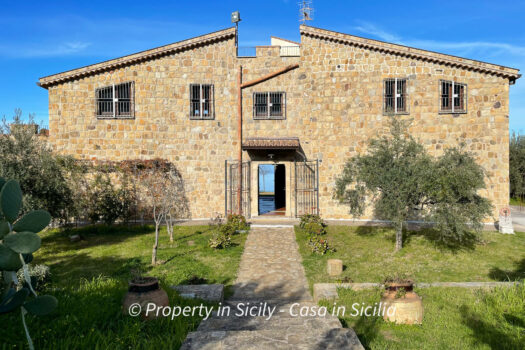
(405,305)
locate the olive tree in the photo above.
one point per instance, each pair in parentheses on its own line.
(403,182)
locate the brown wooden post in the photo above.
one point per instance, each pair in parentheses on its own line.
(239,137)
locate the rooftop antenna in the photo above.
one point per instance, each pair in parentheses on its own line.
(306,11)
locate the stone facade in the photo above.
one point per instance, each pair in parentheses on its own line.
(334,105)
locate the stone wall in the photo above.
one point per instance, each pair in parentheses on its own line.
(333,104)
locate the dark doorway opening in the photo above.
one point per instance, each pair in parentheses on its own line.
(272,189)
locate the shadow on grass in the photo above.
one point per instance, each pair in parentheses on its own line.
(94,235)
(487,333)
(509,275)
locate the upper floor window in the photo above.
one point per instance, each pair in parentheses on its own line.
(201,101)
(395,96)
(115,101)
(269,105)
(453,97)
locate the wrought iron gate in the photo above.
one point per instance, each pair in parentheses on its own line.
(306,187)
(231,187)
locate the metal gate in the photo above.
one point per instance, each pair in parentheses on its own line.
(231,188)
(307,187)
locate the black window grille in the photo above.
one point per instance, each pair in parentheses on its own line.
(453,97)
(201,101)
(115,101)
(269,105)
(395,96)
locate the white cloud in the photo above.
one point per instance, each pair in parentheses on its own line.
(372,29)
(35,51)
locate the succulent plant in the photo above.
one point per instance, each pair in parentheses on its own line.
(18,241)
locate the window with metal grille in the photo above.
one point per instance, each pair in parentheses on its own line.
(201,101)
(269,105)
(395,96)
(115,101)
(453,97)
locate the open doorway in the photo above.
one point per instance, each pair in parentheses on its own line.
(272,189)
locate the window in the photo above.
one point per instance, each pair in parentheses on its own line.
(201,101)
(269,105)
(395,96)
(115,101)
(453,97)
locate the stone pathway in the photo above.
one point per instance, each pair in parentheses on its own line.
(271,272)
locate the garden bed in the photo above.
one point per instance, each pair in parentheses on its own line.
(89,279)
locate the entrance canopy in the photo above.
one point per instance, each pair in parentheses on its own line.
(262,143)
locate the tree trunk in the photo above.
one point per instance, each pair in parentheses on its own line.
(169,222)
(399,237)
(154,253)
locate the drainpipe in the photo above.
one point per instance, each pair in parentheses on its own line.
(239,137)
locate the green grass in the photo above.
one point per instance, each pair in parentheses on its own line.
(454,318)
(89,279)
(516,201)
(368,256)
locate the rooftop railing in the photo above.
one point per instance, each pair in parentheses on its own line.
(284,51)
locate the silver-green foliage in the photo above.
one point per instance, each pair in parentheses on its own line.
(18,241)
(405,183)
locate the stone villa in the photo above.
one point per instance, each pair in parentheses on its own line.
(328,96)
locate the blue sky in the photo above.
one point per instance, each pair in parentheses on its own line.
(42,38)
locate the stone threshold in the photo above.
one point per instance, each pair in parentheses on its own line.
(328,291)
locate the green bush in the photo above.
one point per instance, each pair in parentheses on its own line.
(237,222)
(39,275)
(25,157)
(107,203)
(315,227)
(220,240)
(319,245)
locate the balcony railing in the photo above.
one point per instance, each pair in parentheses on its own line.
(284,51)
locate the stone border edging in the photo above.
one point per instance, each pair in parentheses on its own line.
(328,291)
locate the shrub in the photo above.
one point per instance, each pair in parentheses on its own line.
(237,222)
(312,224)
(28,159)
(315,227)
(39,275)
(319,245)
(107,203)
(220,240)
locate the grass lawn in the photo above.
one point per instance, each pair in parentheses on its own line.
(454,318)
(368,256)
(89,279)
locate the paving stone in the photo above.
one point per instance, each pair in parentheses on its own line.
(271,272)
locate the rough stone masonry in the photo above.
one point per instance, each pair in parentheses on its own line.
(334,105)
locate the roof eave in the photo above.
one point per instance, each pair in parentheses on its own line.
(411,52)
(154,53)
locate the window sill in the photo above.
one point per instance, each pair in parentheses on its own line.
(270,118)
(114,118)
(452,113)
(398,113)
(201,118)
